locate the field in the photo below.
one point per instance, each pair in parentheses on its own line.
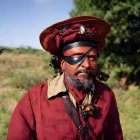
(20,69)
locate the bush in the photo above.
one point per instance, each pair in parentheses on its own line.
(24,80)
(26,50)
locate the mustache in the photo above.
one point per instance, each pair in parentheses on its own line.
(88,71)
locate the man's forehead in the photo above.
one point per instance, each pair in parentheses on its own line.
(80,50)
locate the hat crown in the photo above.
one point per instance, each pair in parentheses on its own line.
(74,29)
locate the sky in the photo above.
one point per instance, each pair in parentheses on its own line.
(22,21)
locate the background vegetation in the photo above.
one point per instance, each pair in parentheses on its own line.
(22,68)
(122,50)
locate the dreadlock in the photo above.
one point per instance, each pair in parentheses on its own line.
(55,63)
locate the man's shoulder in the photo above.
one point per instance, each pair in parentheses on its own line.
(103,89)
(102,86)
(37,90)
(39,86)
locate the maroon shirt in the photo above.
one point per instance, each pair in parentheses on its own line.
(37,117)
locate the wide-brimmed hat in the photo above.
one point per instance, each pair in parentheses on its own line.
(81,28)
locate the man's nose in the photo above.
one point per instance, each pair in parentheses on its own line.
(86,63)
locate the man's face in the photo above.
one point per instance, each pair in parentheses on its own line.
(87,69)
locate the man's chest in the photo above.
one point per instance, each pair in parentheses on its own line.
(57,124)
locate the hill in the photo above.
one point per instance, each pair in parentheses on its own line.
(22,68)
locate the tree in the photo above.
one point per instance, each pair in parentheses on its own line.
(122,51)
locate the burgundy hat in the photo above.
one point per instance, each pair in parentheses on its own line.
(81,28)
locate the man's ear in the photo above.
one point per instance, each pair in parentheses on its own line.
(62,64)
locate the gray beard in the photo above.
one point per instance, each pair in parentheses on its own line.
(86,86)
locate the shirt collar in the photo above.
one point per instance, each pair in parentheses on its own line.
(56,86)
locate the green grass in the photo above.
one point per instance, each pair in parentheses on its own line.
(4,120)
(129,104)
(24,80)
(8,101)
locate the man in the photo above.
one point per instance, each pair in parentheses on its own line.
(74,105)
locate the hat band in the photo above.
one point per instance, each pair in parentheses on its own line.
(79,43)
